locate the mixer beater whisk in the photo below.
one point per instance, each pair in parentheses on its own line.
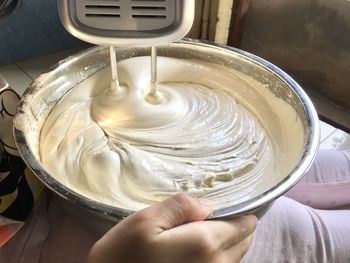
(118,23)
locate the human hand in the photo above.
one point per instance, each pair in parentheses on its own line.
(174,231)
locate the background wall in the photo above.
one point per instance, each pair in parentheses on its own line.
(33,29)
(309,39)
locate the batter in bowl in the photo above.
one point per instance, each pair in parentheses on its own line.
(217,134)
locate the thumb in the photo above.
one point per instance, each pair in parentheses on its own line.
(178,210)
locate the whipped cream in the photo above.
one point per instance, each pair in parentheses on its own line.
(216,134)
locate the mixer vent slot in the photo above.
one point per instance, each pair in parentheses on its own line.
(149,9)
(105,8)
(127,15)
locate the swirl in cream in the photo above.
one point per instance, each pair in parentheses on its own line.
(121,150)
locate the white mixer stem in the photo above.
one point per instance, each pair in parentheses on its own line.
(153,70)
(114,70)
(153,95)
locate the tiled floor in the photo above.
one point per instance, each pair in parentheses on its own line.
(332,138)
(22,73)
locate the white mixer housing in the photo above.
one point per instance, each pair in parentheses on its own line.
(127,22)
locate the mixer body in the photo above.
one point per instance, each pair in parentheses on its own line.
(127,22)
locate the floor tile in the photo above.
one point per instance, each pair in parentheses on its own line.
(17,79)
(34,67)
(339,140)
(326,130)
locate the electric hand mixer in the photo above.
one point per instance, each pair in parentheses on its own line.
(128,23)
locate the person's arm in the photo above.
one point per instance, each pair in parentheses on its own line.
(175,231)
(7,6)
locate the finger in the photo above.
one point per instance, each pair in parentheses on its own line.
(237,252)
(207,239)
(155,219)
(175,211)
(221,234)
(245,227)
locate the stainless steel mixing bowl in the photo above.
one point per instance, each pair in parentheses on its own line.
(49,88)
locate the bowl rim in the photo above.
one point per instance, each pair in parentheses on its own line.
(248,206)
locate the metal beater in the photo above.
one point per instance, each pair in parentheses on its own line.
(120,23)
